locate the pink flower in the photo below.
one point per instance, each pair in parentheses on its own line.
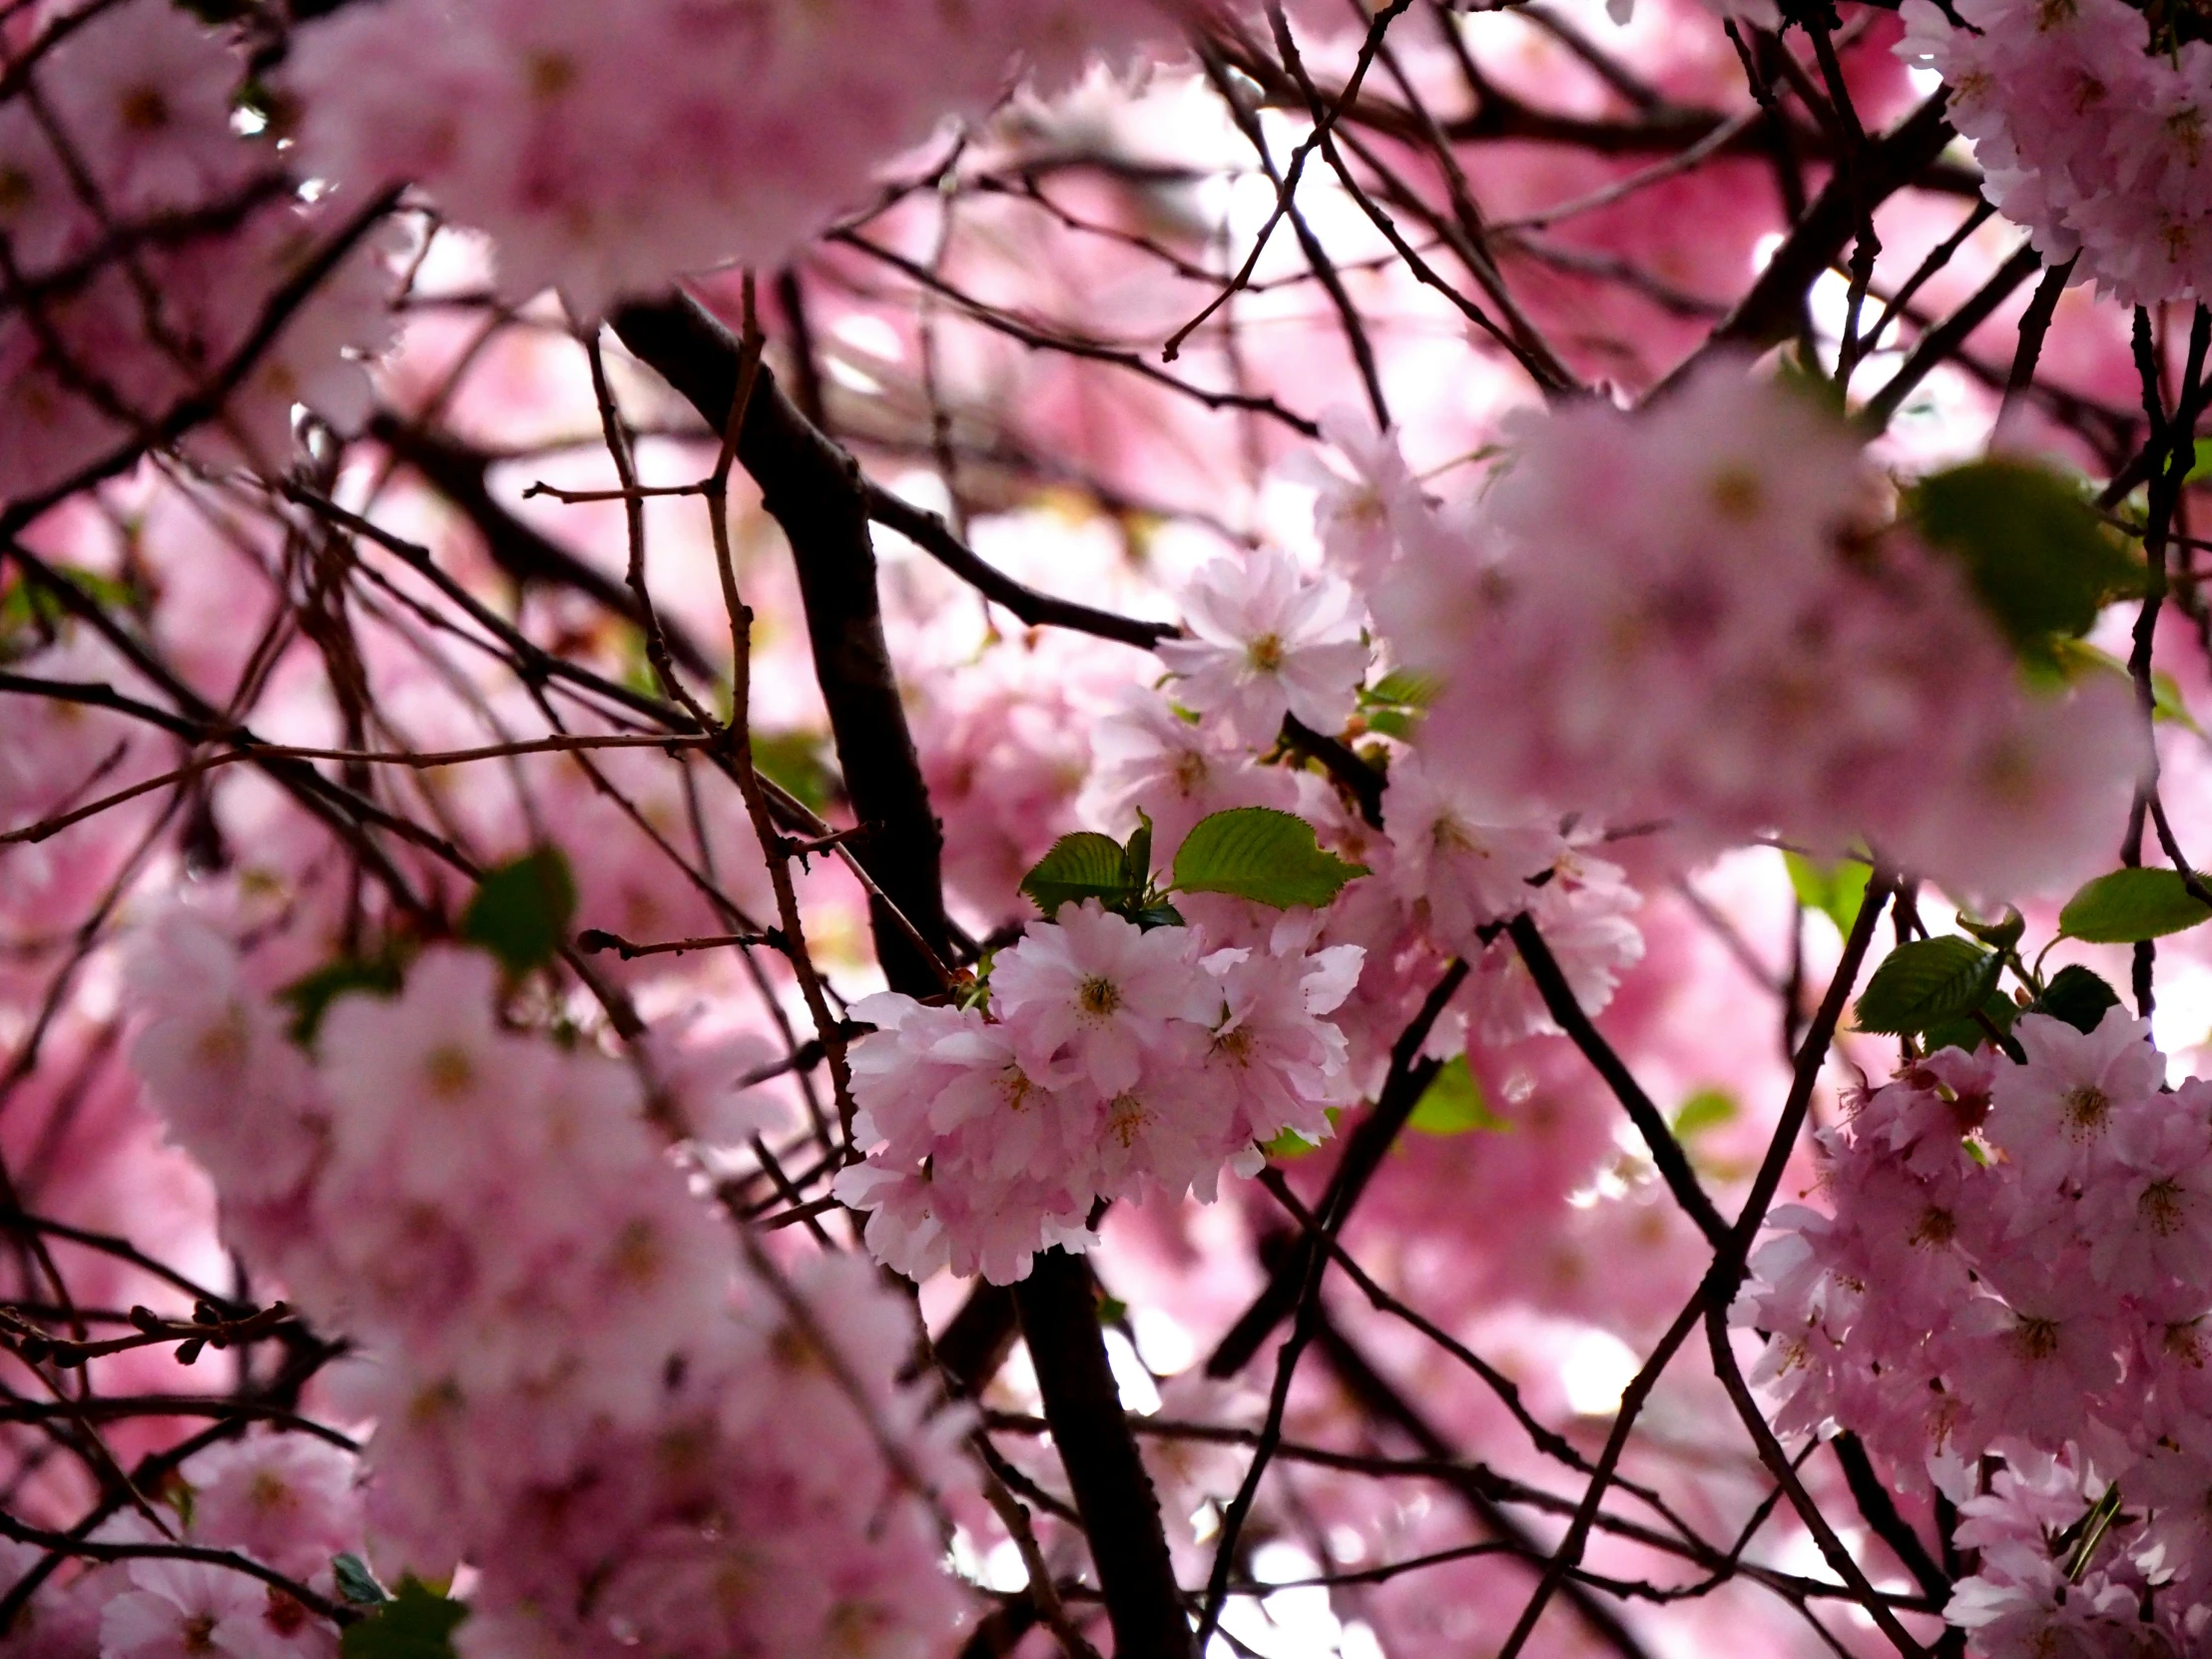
(1146,757)
(286,1499)
(2089,137)
(1459,858)
(427,1085)
(1098,988)
(189,1610)
(2055,1114)
(234,1091)
(2148,1209)
(1269,639)
(1283,1065)
(1367,505)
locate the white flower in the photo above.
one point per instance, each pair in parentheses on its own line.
(1269,640)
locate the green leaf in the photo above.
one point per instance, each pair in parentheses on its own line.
(1291,1144)
(1966,1032)
(2128,906)
(1136,853)
(1079,866)
(1257,852)
(415,1623)
(2036,550)
(312,995)
(2077,996)
(355,1582)
(1453,1104)
(1707,1109)
(1836,890)
(798,762)
(2074,659)
(522,909)
(1927,982)
(2167,704)
(1401,689)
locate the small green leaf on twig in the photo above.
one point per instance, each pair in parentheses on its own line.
(2130,905)
(1924,983)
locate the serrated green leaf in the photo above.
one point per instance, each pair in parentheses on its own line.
(1079,866)
(1924,983)
(522,910)
(1256,853)
(2131,905)
(2039,555)
(1836,890)
(1453,1104)
(415,1623)
(1391,723)
(356,1583)
(1966,1031)
(1707,1109)
(2077,996)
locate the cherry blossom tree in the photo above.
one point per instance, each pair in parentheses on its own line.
(955,828)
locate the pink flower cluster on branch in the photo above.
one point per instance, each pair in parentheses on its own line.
(2090,132)
(608,150)
(2017,1264)
(571,1373)
(1109,1062)
(1729,638)
(148,248)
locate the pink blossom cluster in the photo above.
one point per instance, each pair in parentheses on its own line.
(1452,862)
(1264,640)
(289,1502)
(1006,745)
(2089,132)
(151,255)
(571,1372)
(59,756)
(608,150)
(2018,1263)
(1725,640)
(1463,867)
(1109,1061)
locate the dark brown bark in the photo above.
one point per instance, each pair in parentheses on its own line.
(815,490)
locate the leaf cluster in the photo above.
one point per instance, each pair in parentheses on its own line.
(1254,852)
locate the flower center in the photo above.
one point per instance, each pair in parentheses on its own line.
(1936,1227)
(2087,1106)
(1738,493)
(2161,1208)
(1127,1118)
(1098,996)
(2038,1339)
(144,109)
(1265,652)
(449,1071)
